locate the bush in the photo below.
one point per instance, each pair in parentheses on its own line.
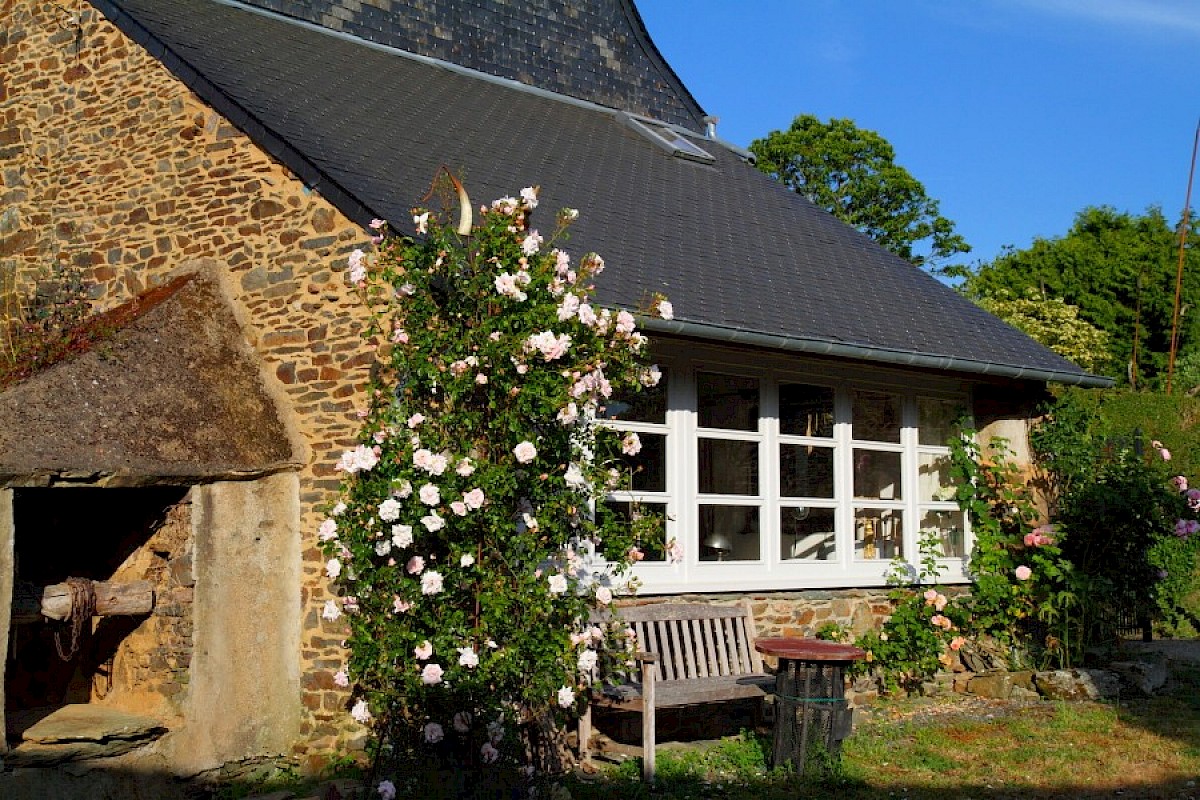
(463,548)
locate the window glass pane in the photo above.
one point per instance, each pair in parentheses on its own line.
(727,467)
(648,405)
(805,410)
(878,534)
(876,416)
(933,478)
(936,419)
(805,471)
(949,528)
(649,466)
(729,533)
(727,401)
(876,475)
(653,548)
(807,534)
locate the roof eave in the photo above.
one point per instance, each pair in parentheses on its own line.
(859,352)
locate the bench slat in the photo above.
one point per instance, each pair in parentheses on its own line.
(686,633)
(743,649)
(714,665)
(672,694)
(663,628)
(679,634)
(698,640)
(649,637)
(657,611)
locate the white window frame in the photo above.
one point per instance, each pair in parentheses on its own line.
(771,571)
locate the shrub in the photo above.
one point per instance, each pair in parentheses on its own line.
(463,547)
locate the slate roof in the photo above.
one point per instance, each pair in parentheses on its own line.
(742,258)
(597,50)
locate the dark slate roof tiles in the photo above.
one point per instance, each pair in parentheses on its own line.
(733,250)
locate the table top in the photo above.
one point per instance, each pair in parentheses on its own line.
(809,649)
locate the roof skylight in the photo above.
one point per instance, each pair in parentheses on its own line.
(668,138)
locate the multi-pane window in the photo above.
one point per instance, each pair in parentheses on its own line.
(806,456)
(645,413)
(728,440)
(780,482)
(938,511)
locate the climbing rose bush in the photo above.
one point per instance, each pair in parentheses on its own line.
(464,549)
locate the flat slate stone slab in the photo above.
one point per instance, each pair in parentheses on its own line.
(79,732)
(91,723)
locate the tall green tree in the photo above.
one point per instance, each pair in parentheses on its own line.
(1055,324)
(852,173)
(1119,269)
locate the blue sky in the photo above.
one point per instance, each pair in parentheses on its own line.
(1014,114)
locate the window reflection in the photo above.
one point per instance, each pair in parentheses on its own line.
(807,534)
(727,466)
(876,416)
(805,410)
(727,401)
(729,533)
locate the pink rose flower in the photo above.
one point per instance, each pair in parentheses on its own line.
(525,452)
(415,565)
(432,674)
(1023,573)
(474,499)
(431,583)
(430,495)
(361,712)
(423,651)
(434,733)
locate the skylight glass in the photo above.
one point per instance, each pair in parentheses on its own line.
(670,140)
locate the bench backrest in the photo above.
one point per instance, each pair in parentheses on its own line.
(694,640)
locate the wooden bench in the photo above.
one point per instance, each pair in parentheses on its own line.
(689,654)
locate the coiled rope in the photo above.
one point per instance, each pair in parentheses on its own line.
(83,608)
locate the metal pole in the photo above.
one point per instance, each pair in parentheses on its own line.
(1183,232)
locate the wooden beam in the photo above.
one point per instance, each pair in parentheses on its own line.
(54,601)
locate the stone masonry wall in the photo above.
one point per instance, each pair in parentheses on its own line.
(150,669)
(108,162)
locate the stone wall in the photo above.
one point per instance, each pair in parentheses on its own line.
(111,164)
(151,668)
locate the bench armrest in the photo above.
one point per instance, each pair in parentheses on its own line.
(645,657)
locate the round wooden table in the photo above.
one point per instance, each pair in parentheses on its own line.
(811,716)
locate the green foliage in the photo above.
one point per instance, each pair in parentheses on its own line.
(1116,268)
(852,174)
(924,624)
(41,326)
(463,546)
(1026,592)
(1122,532)
(1053,323)
(1111,491)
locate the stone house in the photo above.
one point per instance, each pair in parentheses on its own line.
(210,164)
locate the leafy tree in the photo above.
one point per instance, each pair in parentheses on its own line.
(1119,269)
(852,174)
(1055,324)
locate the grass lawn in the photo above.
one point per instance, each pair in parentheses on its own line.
(902,749)
(959,749)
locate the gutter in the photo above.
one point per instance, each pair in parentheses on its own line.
(858,352)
